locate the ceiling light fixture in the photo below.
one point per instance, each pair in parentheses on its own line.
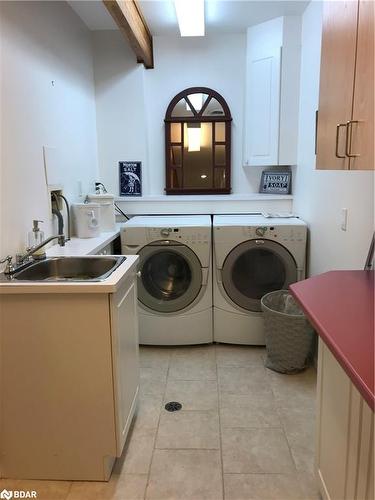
(190,17)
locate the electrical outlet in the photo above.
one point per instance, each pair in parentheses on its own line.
(80,190)
(344,219)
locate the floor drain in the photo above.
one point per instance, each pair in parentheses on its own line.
(173,406)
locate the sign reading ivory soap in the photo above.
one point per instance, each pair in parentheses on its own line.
(275,182)
(130,178)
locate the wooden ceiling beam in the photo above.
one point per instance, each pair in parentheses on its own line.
(132,25)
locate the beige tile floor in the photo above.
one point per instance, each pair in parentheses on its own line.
(244,432)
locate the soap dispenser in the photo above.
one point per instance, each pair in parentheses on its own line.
(34,238)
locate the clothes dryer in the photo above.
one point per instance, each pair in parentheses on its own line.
(253,255)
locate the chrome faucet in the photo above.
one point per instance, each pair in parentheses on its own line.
(9,268)
(22,258)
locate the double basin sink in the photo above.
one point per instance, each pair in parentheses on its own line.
(69,269)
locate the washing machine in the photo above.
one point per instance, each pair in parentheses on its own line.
(174,277)
(253,255)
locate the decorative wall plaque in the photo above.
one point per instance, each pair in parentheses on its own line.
(130,178)
(275,182)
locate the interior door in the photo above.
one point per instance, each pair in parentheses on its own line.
(254,268)
(336,82)
(170,277)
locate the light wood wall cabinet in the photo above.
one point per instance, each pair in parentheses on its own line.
(345,435)
(345,129)
(69,381)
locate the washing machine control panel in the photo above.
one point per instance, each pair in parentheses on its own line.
(183,235)
(261,231)
(165,232)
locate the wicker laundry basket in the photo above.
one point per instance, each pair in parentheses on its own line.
(289,336)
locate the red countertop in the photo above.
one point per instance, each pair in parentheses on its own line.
(340,306)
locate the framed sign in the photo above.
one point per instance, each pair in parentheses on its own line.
(130,178)
(275,182)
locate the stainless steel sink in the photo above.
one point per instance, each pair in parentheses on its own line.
(90,268)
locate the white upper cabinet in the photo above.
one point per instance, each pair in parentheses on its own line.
(272,92)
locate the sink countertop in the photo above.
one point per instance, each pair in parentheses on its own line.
(109,285)
(77,247)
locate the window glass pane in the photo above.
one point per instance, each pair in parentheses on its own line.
(176,155)
(197,100)
(182,109)
(219,178)
(176,177)
(220,155)
(175,132)
(206,135)
(198,156)
(214,108)
(220,132)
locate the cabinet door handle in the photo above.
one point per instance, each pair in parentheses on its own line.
(348,145)
(338,126)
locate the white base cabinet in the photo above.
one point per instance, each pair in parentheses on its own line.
(69,381)
(107,250)
(345,435)
(125,347)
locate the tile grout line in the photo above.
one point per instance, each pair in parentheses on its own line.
(283,428)
(157,429)
(220,436)
(278,407)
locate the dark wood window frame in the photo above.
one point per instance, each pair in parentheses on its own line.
(198,117)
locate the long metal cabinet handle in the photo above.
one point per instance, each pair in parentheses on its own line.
(348,145)
(338,126)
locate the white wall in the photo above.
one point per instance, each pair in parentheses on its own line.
(217,62)
(129,97)
(41,43)
(121,120)
(320,195)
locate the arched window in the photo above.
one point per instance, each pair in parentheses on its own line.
(198,143)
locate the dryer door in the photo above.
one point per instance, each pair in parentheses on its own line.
(170,277)
(254,268)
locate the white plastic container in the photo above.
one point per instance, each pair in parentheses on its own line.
(107,210)
(86,220)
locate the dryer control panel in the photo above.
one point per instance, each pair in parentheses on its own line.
(276,233)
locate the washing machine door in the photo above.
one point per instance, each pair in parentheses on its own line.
(170,277)
(254,268)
